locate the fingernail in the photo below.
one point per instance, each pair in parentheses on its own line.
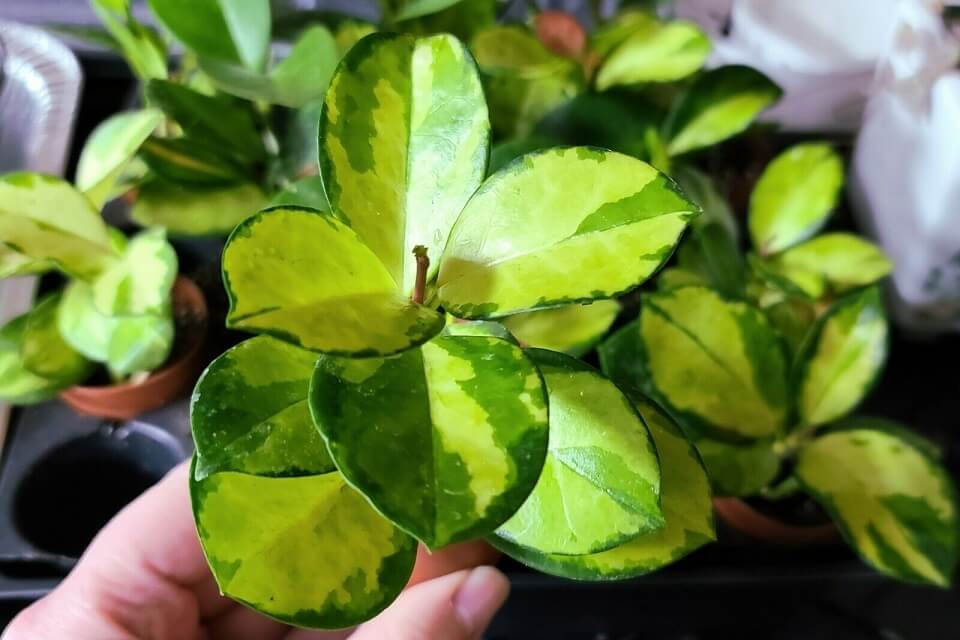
(480,596)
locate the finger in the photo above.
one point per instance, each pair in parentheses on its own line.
(458,606)
(464,555)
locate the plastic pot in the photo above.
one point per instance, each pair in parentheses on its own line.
(748,520)
(130,399)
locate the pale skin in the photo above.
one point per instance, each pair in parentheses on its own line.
(144,578)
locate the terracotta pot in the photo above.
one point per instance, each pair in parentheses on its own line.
(746,519)
(128,400)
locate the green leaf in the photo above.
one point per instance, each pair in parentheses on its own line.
(190,162)
(573,329)
(530,238)
(717,365)
(687,511)
(518,104)
(13,263)
(843,260)
(793,319)
(229,30)
(505,152)
(895,505)
(489,328)
(249,413)
(712,253)
(306,192)
(514,51)
(140,281)
(719,104)
(842,357)
(466,415)
(655,52)
(779,281)
(46,218)
(407,9)
(308,551)
(673,277)
(109,149)
(17,384)
(125,344)
(194,211)
(600,484)
(336,296)
(704,192)
(462,19)
(739,469)
(44,351)
(403,145)
(215,120)
(141,47)
(794,197)
(299,79)
(613,32)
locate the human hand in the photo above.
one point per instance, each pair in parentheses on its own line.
(144,577)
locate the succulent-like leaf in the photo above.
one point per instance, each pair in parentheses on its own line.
(842,357)
(403,144)
(719,104)
(738,469)
(194,211)
(895,505)
(718,365)
(523,242)
(514,51)
(655,52)
(109,149)
(794,197)
(687,512)
(43,349)
(140,281)
(18,385)
(305,192)
(306,277)
(308,551)
(126,344)
(298,80)
(600,484)
(842,260)
(573,329)
(46,218)
(774,281)
(190,162)
(229,30)
(468,417)
(249,413)
(489,328)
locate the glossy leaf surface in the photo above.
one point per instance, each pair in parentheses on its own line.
(403,144)
(140,281)
(44,351)
(306,277)
(573,329)
(18,385)
(895,505)
(466,415)
(525,241)
(843,260)
(195,211)
(600,484)
(654,52)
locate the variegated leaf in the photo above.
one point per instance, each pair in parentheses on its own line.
(525,241)
(488,328)
(18,385)
(308,551)
(842,357)
(306,192)
(109,149)
(466,415)
(718,365)
(304,276)
(794,197)
(249,413)
(196,212)
(191,162)
(600,484)
(895,505)
(687,512)
(654,51)
(514,51)
(739,469)
(573,329)
(46,218)
(13,263)
(140,281)
(43,349)
(719,104)
(403,144)
(843,261)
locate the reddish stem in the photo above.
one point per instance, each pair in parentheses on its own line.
(423,263)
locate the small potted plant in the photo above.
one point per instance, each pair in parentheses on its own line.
(360,421)
(763,367)
(122,306)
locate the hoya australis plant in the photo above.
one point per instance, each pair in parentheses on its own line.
(115,308)
(361,420)
(771,413)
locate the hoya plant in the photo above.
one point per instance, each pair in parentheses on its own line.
(770,403)
(383,404)
(114,309)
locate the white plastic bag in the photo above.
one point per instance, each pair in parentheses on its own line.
(905,179)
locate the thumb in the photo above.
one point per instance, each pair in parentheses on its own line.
(458,606)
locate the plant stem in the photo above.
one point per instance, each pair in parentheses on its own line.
(423,263)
